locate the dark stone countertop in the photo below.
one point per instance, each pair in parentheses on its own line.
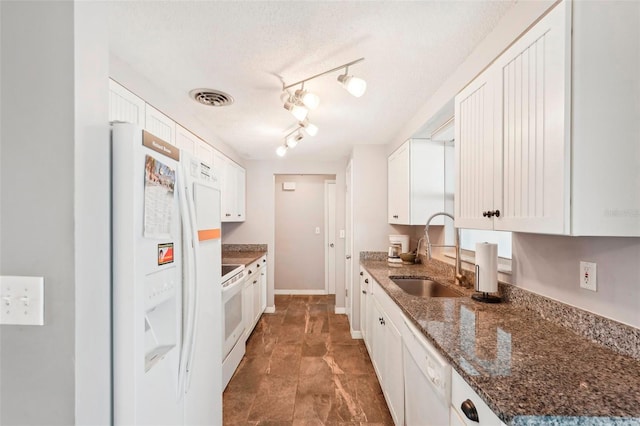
(527,369)
(241,257)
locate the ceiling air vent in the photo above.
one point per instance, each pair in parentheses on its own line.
(211,97)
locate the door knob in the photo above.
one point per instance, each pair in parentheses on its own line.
(349,257)
(331,245)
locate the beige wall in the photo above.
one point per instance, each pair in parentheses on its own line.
(300,254)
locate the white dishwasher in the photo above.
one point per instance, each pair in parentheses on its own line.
(427,385)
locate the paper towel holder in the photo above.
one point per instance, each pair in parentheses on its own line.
(483,296)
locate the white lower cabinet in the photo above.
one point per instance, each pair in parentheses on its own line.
(464,402)
(364,293)
(386,351)
(254,294)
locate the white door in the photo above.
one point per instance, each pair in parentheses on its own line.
(330,236)
(348,244)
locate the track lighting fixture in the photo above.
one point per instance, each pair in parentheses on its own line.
(281,151)
(308,99)
(310,128)
(354,85)
(298,111)
(301,101)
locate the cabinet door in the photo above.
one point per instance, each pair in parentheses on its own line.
(364,283)
(534,106)
(204,152)
(427,182)
(263,286)
(159,124)
(247,307)
(377,341)
(240,193)
(370,322)
(398,169)
(256,297)
(475,152)
(124,105)
(187,141)
(394,373)
(220,163)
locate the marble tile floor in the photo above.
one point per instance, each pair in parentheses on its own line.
(302,368)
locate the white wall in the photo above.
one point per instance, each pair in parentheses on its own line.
(549,265)
(259,227)
(53,175)
(370,228)
(300,257)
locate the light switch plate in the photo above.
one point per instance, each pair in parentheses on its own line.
(342,233)
(21,300)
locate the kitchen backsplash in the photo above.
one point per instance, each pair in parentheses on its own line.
(619,337)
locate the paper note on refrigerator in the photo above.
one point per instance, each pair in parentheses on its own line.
(159,184)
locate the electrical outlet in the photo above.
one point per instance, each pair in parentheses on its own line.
(588,276)
(22,300)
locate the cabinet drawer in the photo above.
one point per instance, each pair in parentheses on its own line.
(460,392)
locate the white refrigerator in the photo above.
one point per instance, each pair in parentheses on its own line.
(166,284)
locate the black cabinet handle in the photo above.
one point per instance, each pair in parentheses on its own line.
(364,292)
(469,410)
(497,213)
(227,214)
(250,272)
(491,213)
(361,273)
(255,281)
(264,260)
(485,214)
(366,280)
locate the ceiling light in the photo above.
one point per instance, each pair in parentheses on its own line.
(281,151)
(310,128)
(309,99)
(292,139)
(354,85)
(298,111)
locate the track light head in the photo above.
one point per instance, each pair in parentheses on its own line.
(354,85)
(292,140)
(281,150)
(298,111)
(309,128)
(308,99)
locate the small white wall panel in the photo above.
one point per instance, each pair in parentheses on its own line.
(125,106)
(159,124)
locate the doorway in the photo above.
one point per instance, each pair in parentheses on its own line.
(304,261)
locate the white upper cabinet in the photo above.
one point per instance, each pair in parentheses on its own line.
(415,182)
(160,125)
(194,145)
(476,153)
(125,106)
(541,145)
(232,188)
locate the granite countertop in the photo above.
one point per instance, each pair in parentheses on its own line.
(527,369)
(241,257)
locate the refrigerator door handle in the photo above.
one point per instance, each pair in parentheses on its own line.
(193,284)
(188,289)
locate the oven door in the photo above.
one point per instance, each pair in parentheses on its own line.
(233,325)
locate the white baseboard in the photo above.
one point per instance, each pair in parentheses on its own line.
(270,310)
(301,292)
(356,334)
(340,310)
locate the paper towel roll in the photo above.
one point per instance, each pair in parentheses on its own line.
(486,267)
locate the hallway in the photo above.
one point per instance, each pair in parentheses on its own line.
(302,367)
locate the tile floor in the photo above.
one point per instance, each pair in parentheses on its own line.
(303,368)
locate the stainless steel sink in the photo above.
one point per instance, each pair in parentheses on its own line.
(425,288)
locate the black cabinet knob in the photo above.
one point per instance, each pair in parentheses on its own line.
(361,273)
(485,214)
(497,213)
(250,271)
(364,292)
(469,410)
(366,280)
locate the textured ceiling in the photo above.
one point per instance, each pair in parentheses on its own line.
(248,49)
